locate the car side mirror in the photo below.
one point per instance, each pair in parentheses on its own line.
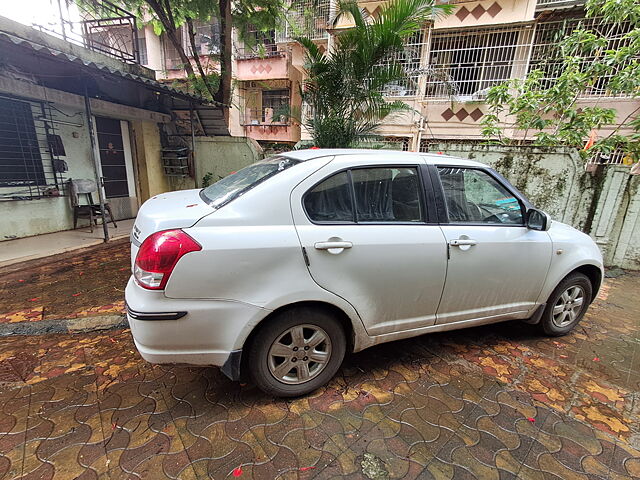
(538,220)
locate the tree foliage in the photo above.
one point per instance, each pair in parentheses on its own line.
(556,112)
(344,85)
(169,16)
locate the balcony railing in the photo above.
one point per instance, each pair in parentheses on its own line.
(307,18)
(266,116)
(542,4)
(258,51)
(545,54)
(98,25)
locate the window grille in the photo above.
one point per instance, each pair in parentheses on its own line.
(396,143)
(30,166)
(464,64)
(558,3)
(142,47)
(207,38)
(307,18)
(545,54)
(409,58)
(98,25)
(274,109)
(172,60)
(617,157)
(258,44)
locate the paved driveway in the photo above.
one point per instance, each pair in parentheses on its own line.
(491,402)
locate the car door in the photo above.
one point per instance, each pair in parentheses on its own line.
(497,266)
(366,238)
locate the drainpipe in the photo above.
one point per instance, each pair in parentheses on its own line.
(96,161)
(419,136)
(193,146)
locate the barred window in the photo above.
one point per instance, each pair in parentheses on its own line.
(545,54)
(464,64)
(20,160)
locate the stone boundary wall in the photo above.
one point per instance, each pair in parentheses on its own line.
(606,205)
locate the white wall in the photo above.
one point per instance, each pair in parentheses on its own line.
(21,218)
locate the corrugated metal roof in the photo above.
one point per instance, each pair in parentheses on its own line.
(99,67)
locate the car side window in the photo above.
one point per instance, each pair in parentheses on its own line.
(387,194)
(382,194)
(473,196)
(330,200)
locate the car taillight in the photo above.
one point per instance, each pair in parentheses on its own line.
(159,254)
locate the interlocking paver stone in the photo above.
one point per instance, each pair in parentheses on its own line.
(492,402)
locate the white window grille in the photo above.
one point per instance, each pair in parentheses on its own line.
(558,3)
(306,18)
(257,43)
(464,64)
(617,157)
(207,38)
(268,107)
(409,58)
(396,143)
(172,60)
(142,47)
(545,52)
(453,2)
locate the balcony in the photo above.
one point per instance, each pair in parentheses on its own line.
(270,64)
(266,124)
(97,25)
(306,18)
(550,4)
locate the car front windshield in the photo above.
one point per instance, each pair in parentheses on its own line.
(240,182)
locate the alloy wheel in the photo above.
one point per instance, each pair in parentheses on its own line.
(568,306)
(299,354)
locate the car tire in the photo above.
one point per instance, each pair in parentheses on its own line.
(285,358)
(567,305)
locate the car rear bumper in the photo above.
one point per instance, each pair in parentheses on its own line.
(195,332)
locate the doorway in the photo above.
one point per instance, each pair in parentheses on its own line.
(114,150)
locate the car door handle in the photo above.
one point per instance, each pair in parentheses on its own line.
(331,245)
(459,242)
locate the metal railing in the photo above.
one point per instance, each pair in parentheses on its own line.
(409,58)
(266,116)
(545,53)
(258,51)
(306,18)
(617,157)
(464,64)
(558,3)
(98,25)
(30,156)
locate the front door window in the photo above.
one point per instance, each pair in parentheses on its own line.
(475,197)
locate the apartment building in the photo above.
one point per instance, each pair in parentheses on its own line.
(451,64)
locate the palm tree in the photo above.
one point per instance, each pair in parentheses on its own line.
(343,86)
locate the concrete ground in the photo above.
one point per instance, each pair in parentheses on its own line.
(40,246)
(493,402)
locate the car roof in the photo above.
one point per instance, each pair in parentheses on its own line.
(432,158)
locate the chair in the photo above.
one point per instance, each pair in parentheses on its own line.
(87,209)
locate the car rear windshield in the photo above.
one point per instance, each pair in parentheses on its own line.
(240,182)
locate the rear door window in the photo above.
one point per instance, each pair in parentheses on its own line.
(381,194)
(330,200)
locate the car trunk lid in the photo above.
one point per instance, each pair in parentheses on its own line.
(167,211)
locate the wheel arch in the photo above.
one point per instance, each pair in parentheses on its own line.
(593,273)
(341,315)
